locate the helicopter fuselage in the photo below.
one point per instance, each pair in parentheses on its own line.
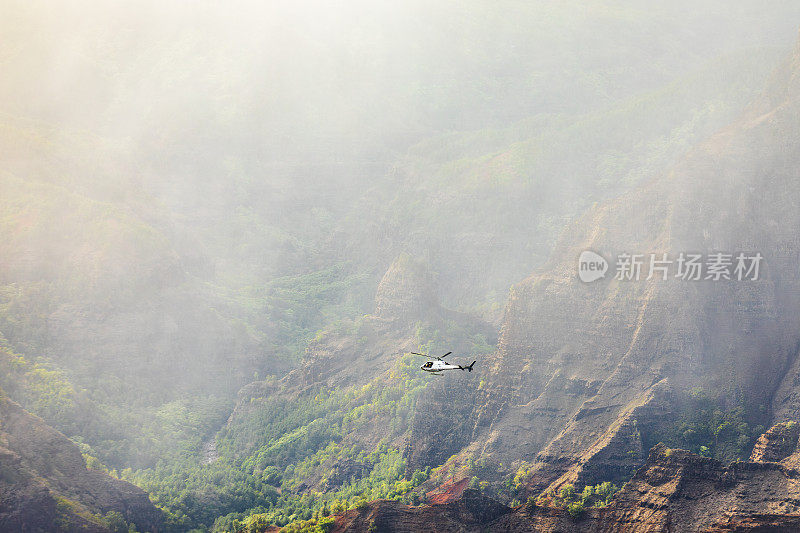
(438,366)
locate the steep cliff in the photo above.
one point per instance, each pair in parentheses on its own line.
(587,374)
(45,485)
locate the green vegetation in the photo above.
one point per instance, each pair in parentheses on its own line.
(45,392)
(301,306)
(118,435)
(575,502)
(286,460)
(707,425)
(73,516)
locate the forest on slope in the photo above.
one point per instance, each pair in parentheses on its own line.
(208,216)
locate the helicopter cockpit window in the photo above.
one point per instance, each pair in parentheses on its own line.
(428,364)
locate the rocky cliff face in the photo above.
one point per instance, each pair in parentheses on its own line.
(776,444)
(469,513)
(45,485)
(407,293)
(585,371)
(674,491)
(585,374)
(691,493)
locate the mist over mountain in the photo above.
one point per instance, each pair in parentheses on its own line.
(223,229)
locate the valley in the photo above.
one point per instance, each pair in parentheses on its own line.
(214,267)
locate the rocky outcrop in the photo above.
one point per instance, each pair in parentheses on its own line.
(471,512)
(45,485)
(776,444)
(680,490)
(407,293)
(448,492)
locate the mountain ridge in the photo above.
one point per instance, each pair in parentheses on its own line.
(46,486)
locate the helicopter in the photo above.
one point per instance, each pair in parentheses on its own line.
(438,364)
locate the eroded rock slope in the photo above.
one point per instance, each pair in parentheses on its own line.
(45,485)
(586,373)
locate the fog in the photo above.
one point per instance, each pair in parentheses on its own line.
(340,81)
(311,103)
(195,193)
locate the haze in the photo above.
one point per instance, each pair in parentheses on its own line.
(198,199)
